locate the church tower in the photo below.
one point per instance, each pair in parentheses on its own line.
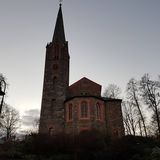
(56,81)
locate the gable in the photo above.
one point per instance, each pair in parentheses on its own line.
(85,87)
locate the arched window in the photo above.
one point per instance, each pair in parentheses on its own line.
(53,104)
(84,110)
(56,52)
(98,111)
(51,131)
(55,66)
(70,112)
(54,80)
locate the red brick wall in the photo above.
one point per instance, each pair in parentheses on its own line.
(114,120)
(85,87)
(91,122)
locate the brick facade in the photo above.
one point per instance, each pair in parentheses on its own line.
(85,87)
(56,81)
(79,123)
(114,119)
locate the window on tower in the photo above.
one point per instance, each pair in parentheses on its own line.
(51,131)
(53,102)
(56,53)
(84,112)
(54,79)
(55,66)
(52,106)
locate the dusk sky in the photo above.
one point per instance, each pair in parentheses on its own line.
(110,41)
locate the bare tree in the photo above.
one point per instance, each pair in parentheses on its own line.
(134,97)
(129,118)
(2,77)
(9,121)
(153,125)
(112,91)
(150,91)
(36,125)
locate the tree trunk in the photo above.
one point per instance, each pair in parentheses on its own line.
(142,118)
(158,121)
(140,127)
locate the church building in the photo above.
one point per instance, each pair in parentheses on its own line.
(74,108)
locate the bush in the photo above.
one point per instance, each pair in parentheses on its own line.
(91,140)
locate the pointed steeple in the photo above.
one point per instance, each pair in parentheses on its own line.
(59,34)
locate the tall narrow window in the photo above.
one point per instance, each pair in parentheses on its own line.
(84,110)
(55,66)
(70,112)
(51,131)
(98,111)
(53,104)
(54,80)
(56,54)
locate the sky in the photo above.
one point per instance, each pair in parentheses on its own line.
(110,41)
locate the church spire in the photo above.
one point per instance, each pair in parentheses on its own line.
(59,35)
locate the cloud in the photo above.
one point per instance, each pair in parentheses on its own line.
(30,117)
